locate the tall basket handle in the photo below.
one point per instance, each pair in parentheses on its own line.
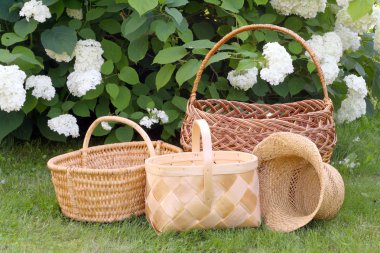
(259,27)
(201,129)
(125,121)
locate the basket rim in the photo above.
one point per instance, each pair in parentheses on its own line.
(53,163)
(153,165)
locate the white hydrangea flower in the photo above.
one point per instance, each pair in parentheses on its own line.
(244,79)
(303,8)
(74,13)
(351,109)
(360,26)
(278,64)
(376,40)
(64,57)
(79,83)
(326,46)
(350,39)
(12,92)
(343,3)
(106,126)
(88,55)
(65,124)
(36,10)
(354,106)
(155,116)
(356,86)
(330,70)
(42,87)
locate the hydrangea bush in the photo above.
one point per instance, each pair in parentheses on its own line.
(64,62)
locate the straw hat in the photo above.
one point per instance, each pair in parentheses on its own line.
(295,185)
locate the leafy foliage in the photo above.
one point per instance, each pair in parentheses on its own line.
(152,51)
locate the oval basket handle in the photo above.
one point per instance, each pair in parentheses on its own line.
(125,121)
(259,27)
(201,129)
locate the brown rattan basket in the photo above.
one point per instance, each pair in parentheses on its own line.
(200,190)
(105,183)
(295,185)
(241,126)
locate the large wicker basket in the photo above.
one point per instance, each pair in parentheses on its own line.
(199,190)
(105,183)
(241,126)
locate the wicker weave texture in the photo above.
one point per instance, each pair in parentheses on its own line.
(181,196)
(241,126)
(104,183)
(295,185)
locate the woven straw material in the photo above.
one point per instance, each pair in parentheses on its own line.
(104,183)
(241,126)
(295,185)
(183,192)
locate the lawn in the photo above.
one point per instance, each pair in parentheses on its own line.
(30,219)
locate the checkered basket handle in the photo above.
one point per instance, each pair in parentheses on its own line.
(201,130)
(259,27)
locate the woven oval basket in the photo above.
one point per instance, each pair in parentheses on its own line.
(295,185)
(199,190)
(241,126)
(105,183)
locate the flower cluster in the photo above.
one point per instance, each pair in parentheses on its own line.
(278,64)
(155,116)
(63,57)
(36,10)
(328,50)
(350,40)
(376,40)
(244,79)
(65,124)
(12,92)
(360,26)
(74,13)
(42,87)
(106,126)
(354,106)
(88,61)
(303,8)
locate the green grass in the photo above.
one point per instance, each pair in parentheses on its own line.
(30,219)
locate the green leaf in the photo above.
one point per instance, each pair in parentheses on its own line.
(137,49)
(311,67)
(176,14)
(123,99)
(113,90)
(9,39)
(59,39)
(81,109)
(246,64)
(359,8)
(232,5)
(23,27)
(203,30)
(180,103)
(281,89)
(296,85)
(10,122)
(132,23)
(30,103)
(187,71)
(294,23)
(145,102)
(107,67)
(164,75)
(164,30)
(87,33)
(295,47)
(169,55)
(67,105)
(199,44)
(112,51)
(75,24)
(111,26)
(124,134)
(218,57)
(91,94)
(94,14)
(268,18)
(261,2)
(260,88)
(129,75)
(143,6)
